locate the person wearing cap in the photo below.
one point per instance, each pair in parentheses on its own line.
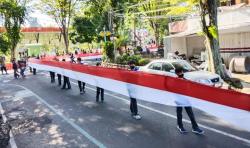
(179,72)
(81,84)
(133,101)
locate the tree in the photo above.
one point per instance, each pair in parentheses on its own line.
(83,30)
(14,15)
(152,9)
(210,30)
(4,43)
(62,11)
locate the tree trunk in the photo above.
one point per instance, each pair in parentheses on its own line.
(210,30)
(66,40)
(13,53)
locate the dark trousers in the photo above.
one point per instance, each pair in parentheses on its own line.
(66,82)
(59,77)
(81,86)
(30,69)
(34,71)
(52,76)
(22,70)
(190,115)
(16,75)
(3,68)
(98,92)
(133,106)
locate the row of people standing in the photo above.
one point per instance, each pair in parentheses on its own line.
(133,101)
(99,90)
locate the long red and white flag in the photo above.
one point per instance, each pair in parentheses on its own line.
(231,106)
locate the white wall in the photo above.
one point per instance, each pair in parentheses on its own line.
(235,40)
(195,45)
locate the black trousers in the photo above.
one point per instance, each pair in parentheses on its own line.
(81,86)
(30,69)
(190,115)
(133,106)
(66,82)
(52,76)
(3,68)
(16,75)
(34,71)
(98,92)
(59,77)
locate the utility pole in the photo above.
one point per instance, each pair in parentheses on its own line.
(134,31)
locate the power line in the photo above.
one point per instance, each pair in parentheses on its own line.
(138,4)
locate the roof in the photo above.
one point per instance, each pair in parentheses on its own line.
(37,29)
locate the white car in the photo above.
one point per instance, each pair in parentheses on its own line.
(167,67)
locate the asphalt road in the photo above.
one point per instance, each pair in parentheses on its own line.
(44,116)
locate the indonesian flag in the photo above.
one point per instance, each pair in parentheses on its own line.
(229,105)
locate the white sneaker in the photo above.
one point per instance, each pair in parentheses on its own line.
(137,117)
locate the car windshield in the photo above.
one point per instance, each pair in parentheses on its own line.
(184,65)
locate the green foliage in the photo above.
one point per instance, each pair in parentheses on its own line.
(109,51)
(14,15)
(4,44)
(213,31)
(126,58)
(83,30)
(143,62)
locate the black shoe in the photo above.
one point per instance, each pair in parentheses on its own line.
(63,87)
(182,130)
(198,131)
(97,99)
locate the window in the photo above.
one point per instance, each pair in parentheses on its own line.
(155,66)
(167,67)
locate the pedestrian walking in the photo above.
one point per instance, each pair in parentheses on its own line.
(179,72)
(99,91)
(66,81)
(133,101)
(3,65)
(81,84)
(15,68)
(22,66)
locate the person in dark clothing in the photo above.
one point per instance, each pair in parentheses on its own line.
(2,64)
(133,101)
(72,58)
(59,78)
(22,66)
(99,91)
(52,77)
(81,84)
(15,68)
(34,71)
(66,81)
(179,72)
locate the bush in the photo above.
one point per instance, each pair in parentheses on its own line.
(126,58)
(109,51)
(143,62)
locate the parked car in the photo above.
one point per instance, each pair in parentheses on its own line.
(167,67)
(91,62)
